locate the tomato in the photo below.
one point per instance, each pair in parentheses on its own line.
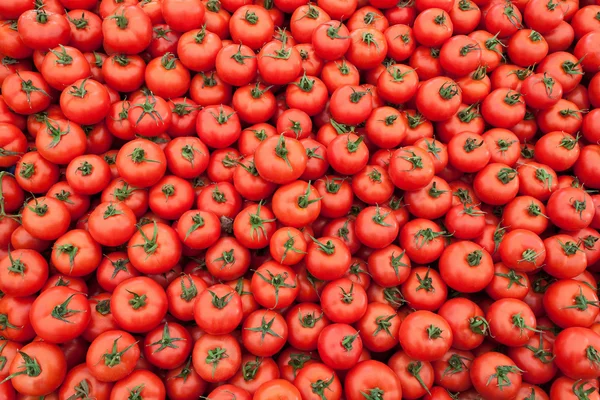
(218,310)
(151,117)
(432,27)
(318,380)
(425,336)
(63,66)
(575,360)
(570,208)
(88,174)
(60,314)
(112,224)
(146,304)
(372,378)
(350,104)
(183,15)
(101,319)
(127,31)
(280,159)
(281,278)
(467,322)
(340,346)
(26,92)
(207,42)
(216,358)
(184,383)
(438,98)
(124,72)
(476,263)
(227,259)
(46,218)
(38,369)
(60,141)
(497,368)
(517,286)
(563,387)
(415,376)
(522,250)
(264,333)
(139,383)
(252,19)
(236,64)
(167,346)
(23,272)
(141,163)
(277,388)
(330,39)
(566,303)
(167,77)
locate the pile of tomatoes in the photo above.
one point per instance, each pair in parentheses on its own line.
(277,199)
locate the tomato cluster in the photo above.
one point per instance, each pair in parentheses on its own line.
(280,199)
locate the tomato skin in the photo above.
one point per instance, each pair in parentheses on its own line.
(88,174)
(536,371)
(517,286)
(432,27)
(167,357)
(55,27)
(564,257)
(411,168)
(284,167)
(537,180)
(316,372)
(75,377)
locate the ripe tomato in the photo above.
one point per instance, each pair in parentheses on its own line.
(146,304)
(498,368)
(38,369)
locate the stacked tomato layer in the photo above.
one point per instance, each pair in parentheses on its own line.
(347,199)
